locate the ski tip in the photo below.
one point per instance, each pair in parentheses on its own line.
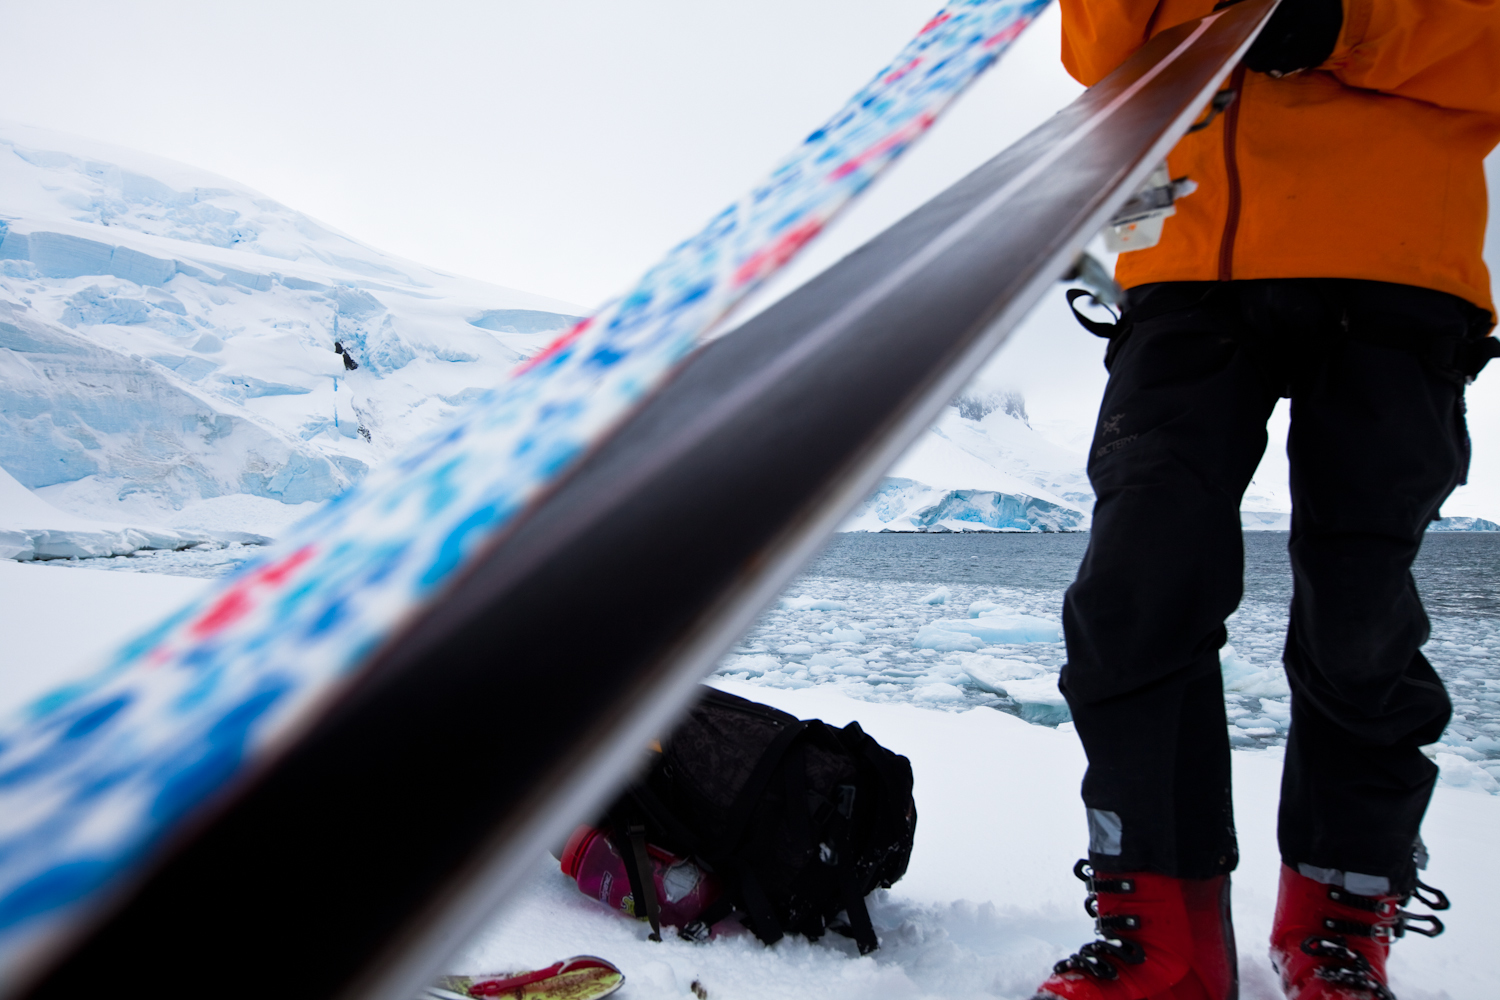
(582,977)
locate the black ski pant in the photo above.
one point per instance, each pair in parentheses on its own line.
(1377,443)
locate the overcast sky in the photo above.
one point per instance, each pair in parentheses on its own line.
(555,146)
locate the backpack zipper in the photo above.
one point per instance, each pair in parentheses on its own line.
(1232,171)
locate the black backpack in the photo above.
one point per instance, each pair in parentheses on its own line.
(799,820)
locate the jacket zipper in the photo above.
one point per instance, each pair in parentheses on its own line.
(1232,171)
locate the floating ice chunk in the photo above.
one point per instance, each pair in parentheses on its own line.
(1255,729)
(1031,687)
(1456,772)
(982,608)
(1001,628)
(796,649)
(811,604)
(938,693)
(1040,700)
(755,665)
(1280,711)
(838,663)
(992,673)
(1239,675)
(842,635)
(939,596)
(934,637)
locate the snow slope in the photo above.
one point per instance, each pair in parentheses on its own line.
(167,336)
(989,901)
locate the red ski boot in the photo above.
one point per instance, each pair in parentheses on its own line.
(1161,938)
(1329,944)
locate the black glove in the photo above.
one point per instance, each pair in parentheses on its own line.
(1300,35)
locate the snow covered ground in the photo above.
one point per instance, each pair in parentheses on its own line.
(989,901)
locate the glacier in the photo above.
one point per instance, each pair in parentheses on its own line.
(981,467)
(167,338)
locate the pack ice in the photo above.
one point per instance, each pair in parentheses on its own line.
(167,341)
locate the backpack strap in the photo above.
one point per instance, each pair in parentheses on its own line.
(641,879)
(860,927)
(626,819)
(762,918)
(677,836)
(755,786)
(797,805)
(756,904)
(839,825)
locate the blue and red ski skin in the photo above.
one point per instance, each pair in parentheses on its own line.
(95,775)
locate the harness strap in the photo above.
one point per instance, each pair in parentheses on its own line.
(1222,100)
(1109,331)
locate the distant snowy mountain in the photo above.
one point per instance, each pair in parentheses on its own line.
(982,467)
(1463,524)
(167,337)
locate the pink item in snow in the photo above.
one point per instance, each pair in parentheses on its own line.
(683,890)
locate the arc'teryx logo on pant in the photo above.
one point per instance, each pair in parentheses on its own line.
(1111,425)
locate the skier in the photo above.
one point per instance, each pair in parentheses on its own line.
(1331,254)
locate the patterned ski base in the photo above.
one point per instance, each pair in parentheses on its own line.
(94,776)
(582,977)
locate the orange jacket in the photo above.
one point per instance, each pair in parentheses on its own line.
(1369,166)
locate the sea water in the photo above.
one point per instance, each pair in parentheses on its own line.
(855,617)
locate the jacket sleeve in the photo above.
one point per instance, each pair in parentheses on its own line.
(1444,52)
(1098,35)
